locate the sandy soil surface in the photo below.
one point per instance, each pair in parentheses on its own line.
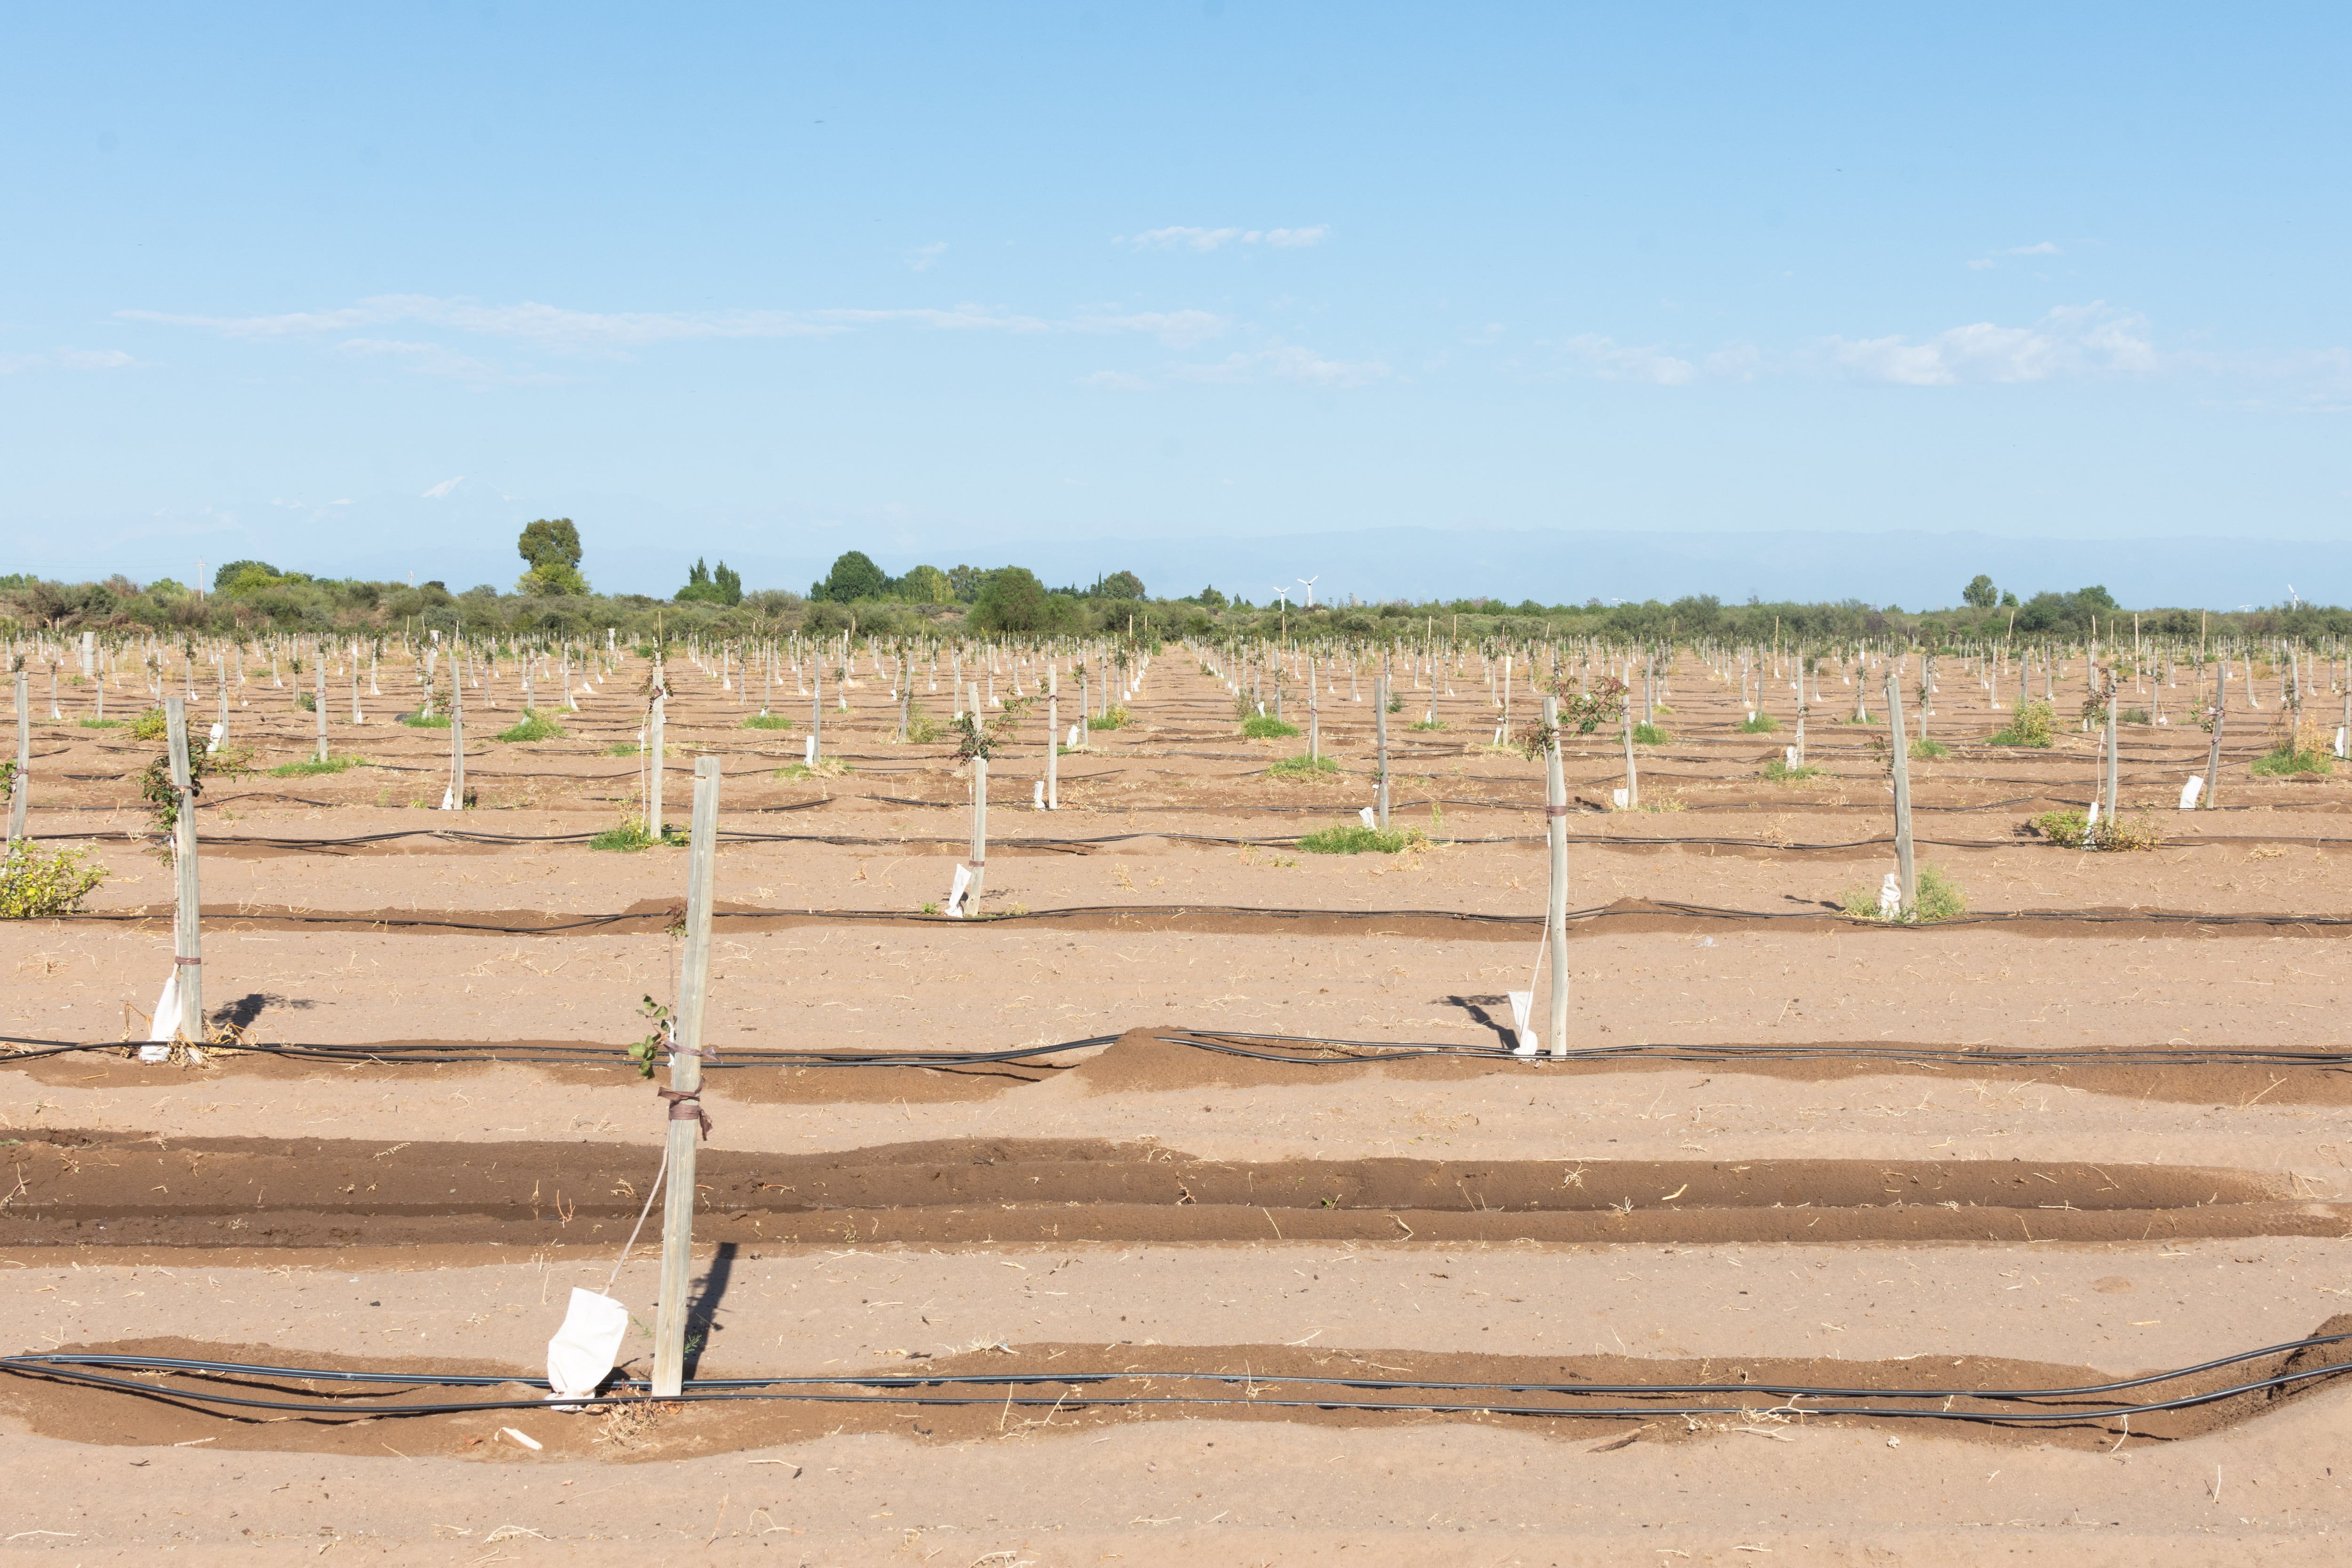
(2141,1033)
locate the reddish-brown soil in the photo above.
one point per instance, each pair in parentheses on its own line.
(2096,1131)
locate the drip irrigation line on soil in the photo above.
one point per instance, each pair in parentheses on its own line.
(899,1389)
(1648,909)
(2131,1056)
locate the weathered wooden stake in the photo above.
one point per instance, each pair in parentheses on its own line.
(1906,871)
(318,698)
(654,759)
(1556,906)
(684,1092)
(20,792)
(187,928)
(1380,739)
(2108,809)
(2213,753)
(1053,737)
(1632,779)
(456,732)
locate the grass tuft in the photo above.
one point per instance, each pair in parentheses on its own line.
(2071,830)
(1927,750)
(532,728)
(1940,899)
(2286,759)
(826,768)
(425,720)
(89,723)
(1266,727)
(767,722)
(1778,771)
(1430,724)
(1762,724)
(311,767)
(1303,766)
(1355,838)
(1116,719)
(150,725)
(1649,735)
(631,836)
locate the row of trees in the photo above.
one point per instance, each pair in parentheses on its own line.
(553,597)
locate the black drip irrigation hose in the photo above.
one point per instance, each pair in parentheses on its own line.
(1289,1050)
(389,922)
(76,1368)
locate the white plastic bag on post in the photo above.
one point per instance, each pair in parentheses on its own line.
(218,734)
(1790,754)
(585,1348)
(1073,741)
(962,885)
(449,798)
(1522,1003)
(1369,819)
(1619,798)
(1890,897)
(1037,796)
(2092,819)
(2190,791)
(808,752)
(2340,738)
(165,1023)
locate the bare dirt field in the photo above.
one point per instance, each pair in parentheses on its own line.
(1169,1207)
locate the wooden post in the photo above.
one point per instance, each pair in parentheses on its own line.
(654,760)
(1381,740)
(456,731)
(1556,907)
(2109,807)
(2213,753)
(1053,737)
(319,697)
(187,930)
(1632,779)
(1314,714)
(685,1095)
(1907,870)
(978,861)
(20,790)
(816,711)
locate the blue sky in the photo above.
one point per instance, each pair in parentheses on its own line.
(364,289)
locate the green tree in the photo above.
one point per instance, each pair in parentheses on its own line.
(1012,599)
(853,577)
(1209,598)
(551,546)
(230,579)
(1117,585)
(925,585)
(711,585)
(964,581)
(1980,592)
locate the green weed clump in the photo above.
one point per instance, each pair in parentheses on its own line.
(306,703)
(89,723)
(2072,830)
(2287,759)
(425,720)
(1927,751)
(33,886)
(149,726)
(1762,724)
(767,722)
(2030,726)
(922,728)
(1778,771)
(632,835)
(826,768)
(1649,735)
(1303,767)
(1116,719)
(1355,838)
(1265,727)
(2134,716)
(1940,899)
(1424,725)
(532,728)
(311,767)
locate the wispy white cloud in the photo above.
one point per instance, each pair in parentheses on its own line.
(923,257)
(441,491)
(2072,339)
(2043,248)
(554,328)
(433,359)
(1285,363)
(1114,381)
(1612,361)
(1184,238)
(66,359)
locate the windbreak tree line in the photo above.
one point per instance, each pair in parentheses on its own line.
(553,597)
